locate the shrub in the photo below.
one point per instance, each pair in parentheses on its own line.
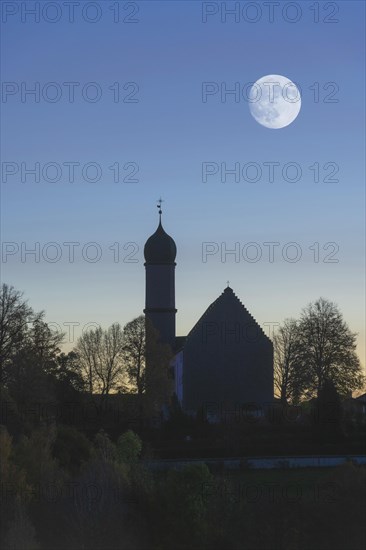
(129,447)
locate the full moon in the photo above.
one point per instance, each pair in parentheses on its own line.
(274,101)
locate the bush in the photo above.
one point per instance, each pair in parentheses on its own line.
(181,508)
(71,448)
(129,447)
(106,449)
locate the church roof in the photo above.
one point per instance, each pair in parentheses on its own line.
(226,297)
(160,248)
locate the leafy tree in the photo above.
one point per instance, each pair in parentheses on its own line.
(28,350)
(106,515)
(71,448)
(10,473)
(30,372)
(34,455)
(44,342)
(28,383)
(21,534)
(185,505)
(328,349)
(67,372)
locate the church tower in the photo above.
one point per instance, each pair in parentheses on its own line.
(160,252)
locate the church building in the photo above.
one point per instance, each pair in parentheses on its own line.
(226,360)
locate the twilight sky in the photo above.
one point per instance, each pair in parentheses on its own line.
(142,89)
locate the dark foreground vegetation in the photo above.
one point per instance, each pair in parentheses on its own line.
(61,491)
(75,441)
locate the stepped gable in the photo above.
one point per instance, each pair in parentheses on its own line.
(227,295)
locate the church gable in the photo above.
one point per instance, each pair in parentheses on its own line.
(229,320)
(227,357)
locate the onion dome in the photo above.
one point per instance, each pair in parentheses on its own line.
(160,248)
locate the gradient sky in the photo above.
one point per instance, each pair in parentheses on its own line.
(169,132)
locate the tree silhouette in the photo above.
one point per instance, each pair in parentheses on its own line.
(134,353)
(44,342)
(15,314)
(29,371)
(288,375)
(327,349)
(100,355)
(147,364)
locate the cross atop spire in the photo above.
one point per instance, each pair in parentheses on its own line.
(159,206)
(228,283)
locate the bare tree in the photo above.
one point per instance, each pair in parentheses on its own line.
(134,353)
(15,314)
(288,372)
(147,364)
(87,350)
(109,368)
(328,349)
(100,355)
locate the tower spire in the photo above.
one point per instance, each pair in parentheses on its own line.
(160,201)
(160,251)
